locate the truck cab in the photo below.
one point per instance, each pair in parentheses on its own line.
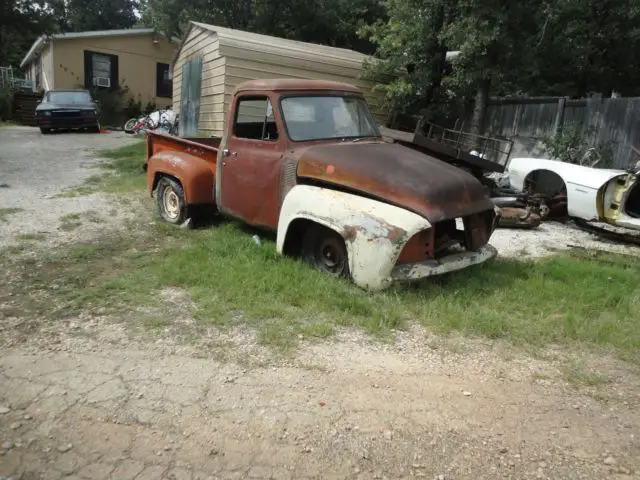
(306,160)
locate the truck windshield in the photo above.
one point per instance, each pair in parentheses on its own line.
(68,97)
(326,117)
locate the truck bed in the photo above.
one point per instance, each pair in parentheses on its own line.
(204,148)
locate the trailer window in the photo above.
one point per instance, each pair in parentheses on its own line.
(255,119)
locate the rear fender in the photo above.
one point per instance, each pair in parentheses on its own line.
(374,232)
(195,175)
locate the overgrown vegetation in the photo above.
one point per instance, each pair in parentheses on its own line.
(232,281)
(5,105)
(122,172)
(573,145)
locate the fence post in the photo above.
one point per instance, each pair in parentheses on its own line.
(559,120)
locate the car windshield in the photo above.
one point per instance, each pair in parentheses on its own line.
(326,117)
(68,97)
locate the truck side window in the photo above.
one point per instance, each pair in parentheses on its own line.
(255,119)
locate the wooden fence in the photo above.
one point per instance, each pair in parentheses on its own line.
(610,122)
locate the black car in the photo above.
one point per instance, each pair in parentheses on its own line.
(66,109)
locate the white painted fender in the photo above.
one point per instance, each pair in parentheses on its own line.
(374,232)
(583,183)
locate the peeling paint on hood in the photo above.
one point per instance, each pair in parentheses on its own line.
(397,175)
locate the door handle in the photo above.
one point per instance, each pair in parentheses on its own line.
(228,153)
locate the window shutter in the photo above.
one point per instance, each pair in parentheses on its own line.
(115,83)
(88,71)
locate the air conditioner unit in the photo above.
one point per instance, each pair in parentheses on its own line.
(102,82)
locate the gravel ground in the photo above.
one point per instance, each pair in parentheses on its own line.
(36,167)
(551,237)
(92,397)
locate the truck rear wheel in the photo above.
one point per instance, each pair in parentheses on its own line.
(325,250)
(170,199)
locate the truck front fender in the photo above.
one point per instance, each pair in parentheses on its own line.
(196,175)
(374,232)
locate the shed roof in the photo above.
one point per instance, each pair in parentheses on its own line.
(295,84)
(261,42)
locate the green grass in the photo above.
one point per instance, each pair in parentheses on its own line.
(5,212)
(122,173)
(70,222)
(577,375)
(577,298)
(31,237)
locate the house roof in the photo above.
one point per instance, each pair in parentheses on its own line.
(295,84)
(44,39)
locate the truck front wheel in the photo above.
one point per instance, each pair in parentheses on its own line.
(170,200)
(325,250)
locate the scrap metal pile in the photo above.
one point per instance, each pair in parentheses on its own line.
(518,209)
(530,190)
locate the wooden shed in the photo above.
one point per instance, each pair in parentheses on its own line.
(211,61)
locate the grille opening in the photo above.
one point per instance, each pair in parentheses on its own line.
(447,237)
(449,234)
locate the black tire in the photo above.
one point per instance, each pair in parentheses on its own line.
(45,131)
(170,199)
(95,129)
(325,250)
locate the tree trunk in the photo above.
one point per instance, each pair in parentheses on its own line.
(480,107)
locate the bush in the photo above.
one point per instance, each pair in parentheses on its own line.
(572,145)
(6,98)
(133,108)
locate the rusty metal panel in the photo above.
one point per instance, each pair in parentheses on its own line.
(398,175)
(288,176)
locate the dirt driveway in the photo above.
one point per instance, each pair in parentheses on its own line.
(84,398)
(35,167)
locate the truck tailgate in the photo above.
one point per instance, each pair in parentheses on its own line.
(204,148)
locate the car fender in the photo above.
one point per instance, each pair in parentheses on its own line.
(583,183)
(374,232)
(195,175)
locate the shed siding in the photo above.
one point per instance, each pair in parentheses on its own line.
(204,43)
(239,70)
(232,57)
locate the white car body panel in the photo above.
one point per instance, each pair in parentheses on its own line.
(589,189)
(374,232)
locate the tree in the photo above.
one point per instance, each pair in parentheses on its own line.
(560,47)
(588,46)
(491,36)
(329,22)
(86,15)
(21,21)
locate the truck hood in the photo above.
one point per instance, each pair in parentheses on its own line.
(397,175)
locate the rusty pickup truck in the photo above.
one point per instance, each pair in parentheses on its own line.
(306,160)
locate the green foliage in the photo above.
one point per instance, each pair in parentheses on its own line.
(132,108)
(574,145)
(22,21)
(112,104)
(6,98)
(571,47)
(330,22)
(81,15)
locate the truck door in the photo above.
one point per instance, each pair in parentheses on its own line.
(249,182)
